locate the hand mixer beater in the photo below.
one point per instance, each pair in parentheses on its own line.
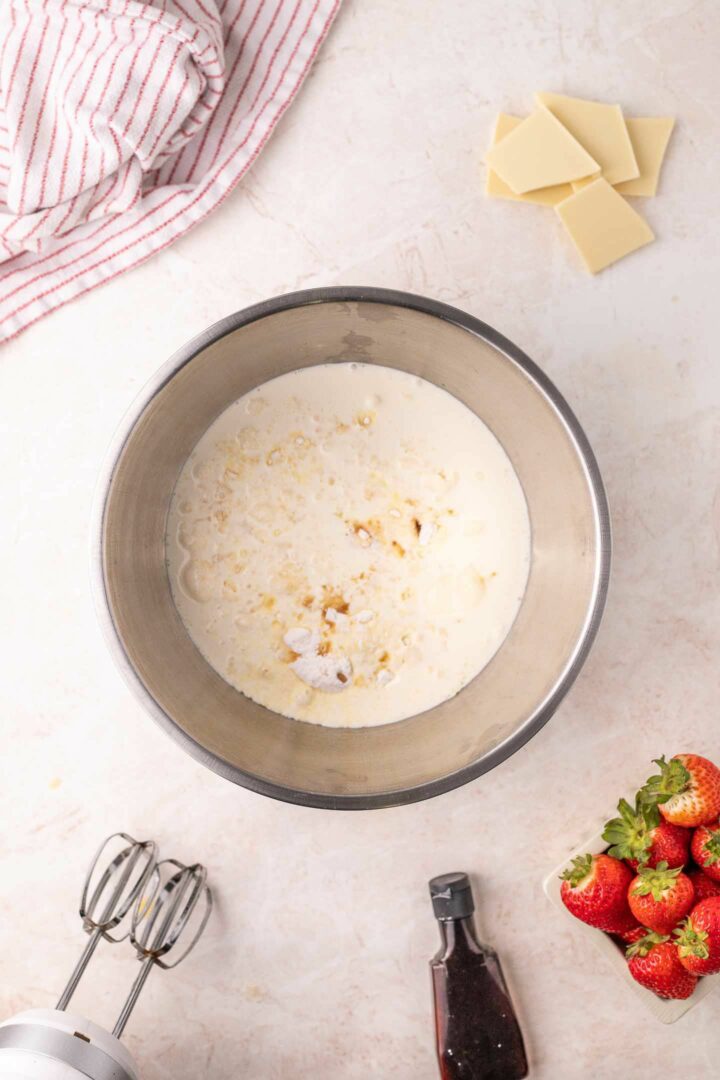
(162,907)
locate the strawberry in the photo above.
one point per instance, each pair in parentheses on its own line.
(706,850)
(698,939)
(654,962)
(686,790)
(641,837)
(636,934)
(659,898)
(703,885)
(594,890)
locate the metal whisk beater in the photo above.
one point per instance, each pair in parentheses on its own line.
(179,904)
(110,891)
(159,902)
(163,908)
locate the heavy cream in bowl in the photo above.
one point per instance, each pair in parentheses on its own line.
(348,544)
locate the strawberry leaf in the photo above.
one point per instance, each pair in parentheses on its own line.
(711,848)
(691,942)
(645,944)
(673,779)
(581,867)
(629,833)
(655,881)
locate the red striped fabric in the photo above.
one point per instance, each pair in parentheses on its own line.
(124,122)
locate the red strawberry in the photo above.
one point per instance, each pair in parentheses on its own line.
(636,934)
(594,890)
(659,898)
(653,961)
(686,790)
(706,850)
(698,940)
(703,885)
(641,837)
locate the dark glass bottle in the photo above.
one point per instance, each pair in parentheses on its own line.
(478,1036)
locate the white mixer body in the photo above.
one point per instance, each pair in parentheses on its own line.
(46,1044)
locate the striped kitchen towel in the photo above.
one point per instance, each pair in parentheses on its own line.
(124,122)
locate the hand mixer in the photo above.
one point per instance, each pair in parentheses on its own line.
(163,902)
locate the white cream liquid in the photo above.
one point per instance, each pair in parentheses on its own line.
(348,544)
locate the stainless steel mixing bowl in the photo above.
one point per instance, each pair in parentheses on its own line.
(506,704)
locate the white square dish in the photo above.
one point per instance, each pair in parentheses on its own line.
(667,1012)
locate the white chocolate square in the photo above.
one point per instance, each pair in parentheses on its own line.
(539,153)
(602,225)
(601,129)
(650,136)
(498,189)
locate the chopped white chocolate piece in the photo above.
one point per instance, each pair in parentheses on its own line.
(498,189)
(649,136)
(601,129)
(538,153)
(602,225)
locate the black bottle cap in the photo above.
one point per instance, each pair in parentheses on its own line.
(452,896)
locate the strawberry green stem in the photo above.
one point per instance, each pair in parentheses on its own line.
(630,834)
(673,779)
(711,848)
(581,867)
(692,942)
(645,944)
(655,881)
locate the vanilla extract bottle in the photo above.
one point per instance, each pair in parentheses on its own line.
(478,1035)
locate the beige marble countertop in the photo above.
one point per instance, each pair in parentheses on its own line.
(314,965)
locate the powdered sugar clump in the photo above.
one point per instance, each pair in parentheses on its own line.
(329,673)
(336,617)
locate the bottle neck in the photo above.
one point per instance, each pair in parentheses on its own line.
(459,935)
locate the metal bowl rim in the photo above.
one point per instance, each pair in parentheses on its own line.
(394,298)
